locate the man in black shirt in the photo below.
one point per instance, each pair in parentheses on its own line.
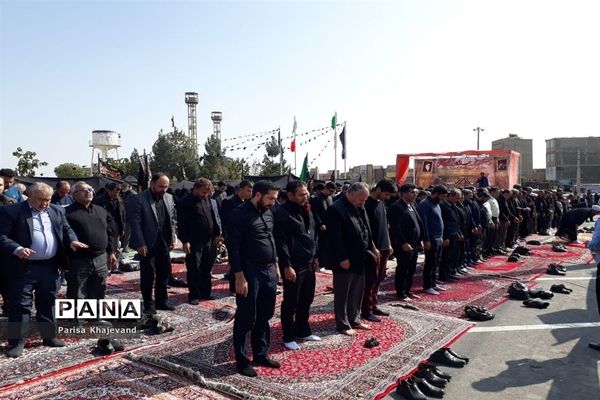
(406,234)
(112,202)
(198,229)
(350,251)
(377,213)
(295,238)
(253,260)
(86,277)
(242,193)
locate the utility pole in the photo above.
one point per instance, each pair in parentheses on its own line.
(478,130)
(280,152)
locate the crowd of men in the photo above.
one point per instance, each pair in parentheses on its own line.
(271,235)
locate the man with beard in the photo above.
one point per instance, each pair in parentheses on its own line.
(406,235)
(253,259)
(377,213)
(431,215)
(295,238)
(352,251)
(198,228)
(153,223)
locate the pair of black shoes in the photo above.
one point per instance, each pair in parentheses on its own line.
(560,288)
(17,350)
(540,294)
(369,344)
(429,381)
(519,291)
(559,248)
(109,346)
(250,372)
(449,358)
(176,282)
(534,303)
(556,269)
(522,250)
(478,313)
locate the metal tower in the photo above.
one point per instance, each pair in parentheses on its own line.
(216,117)
(191,99)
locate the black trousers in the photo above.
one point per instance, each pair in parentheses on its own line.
(406,265)
(155,269)
(4,287)
(569,230)
(34,277)
(433,257)
(450,259)
(253,314)
(199,265)
(297,298)
(86,277)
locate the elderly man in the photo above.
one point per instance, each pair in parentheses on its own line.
(86,278)
(34,236)
(153,226)
(351,252)
(198,229)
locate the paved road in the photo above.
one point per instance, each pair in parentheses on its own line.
(529,361)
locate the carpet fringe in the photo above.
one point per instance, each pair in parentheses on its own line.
(197,377)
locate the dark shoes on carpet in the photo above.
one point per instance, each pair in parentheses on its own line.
(176,282)
(559,248)
(556,269)
(247,371)
(381,313)
(560,288)
(369,344)
(16,351)
(409,390)
(53,343)
(371,317)
(266,362)
(165,307)
(518,291)
(109,346)
(534,242)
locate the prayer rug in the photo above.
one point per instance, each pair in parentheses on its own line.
(338,367)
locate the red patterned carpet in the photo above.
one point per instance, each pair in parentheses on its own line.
(339,367)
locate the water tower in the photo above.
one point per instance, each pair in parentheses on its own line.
(191,99)
(106,143)
(216,117)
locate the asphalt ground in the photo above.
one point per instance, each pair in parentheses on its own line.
(525,353)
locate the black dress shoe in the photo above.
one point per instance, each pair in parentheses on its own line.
(436,371)
(595,346)
(444,358)
(381,313)
(247,371)
(194,302)
(165,307)
(105,346)
(428,389)
(455,354)
(560,288)
(116,345)
(176,282)
(431,378)
(536,304)
(371,317)
(150,311)
(54,342)
(266,362)
(16,351)
(410,391)
(207,298)
(540,294)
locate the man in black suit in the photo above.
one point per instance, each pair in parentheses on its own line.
(198,228)
(34,236)
(112,202)
(406,234)
(453,237)
(153,226)
(350,251)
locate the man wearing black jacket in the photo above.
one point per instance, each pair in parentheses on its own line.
(351,251)
(406,234)
(295,239)
(253,259)
(453,237)
(112,202)
(319,204)
(572,219)
(198,228)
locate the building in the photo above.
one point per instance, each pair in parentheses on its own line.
(524,147)
(562,155)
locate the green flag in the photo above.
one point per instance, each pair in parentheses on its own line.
(304,173)
(334,121)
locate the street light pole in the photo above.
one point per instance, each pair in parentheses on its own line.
(478,130)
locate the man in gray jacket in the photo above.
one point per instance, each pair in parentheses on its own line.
(153,227)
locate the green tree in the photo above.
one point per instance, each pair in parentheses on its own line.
(70,170)
(27,162)
(216,165)
(129,166)
(175,154)
(271,162)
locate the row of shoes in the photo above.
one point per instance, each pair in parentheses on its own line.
(556,269)
(478,313)
(586,230)
(428,381)
(520,291)
(559,248)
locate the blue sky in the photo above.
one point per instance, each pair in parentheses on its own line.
(407,76)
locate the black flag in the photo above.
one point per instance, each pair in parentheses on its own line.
(343,141)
